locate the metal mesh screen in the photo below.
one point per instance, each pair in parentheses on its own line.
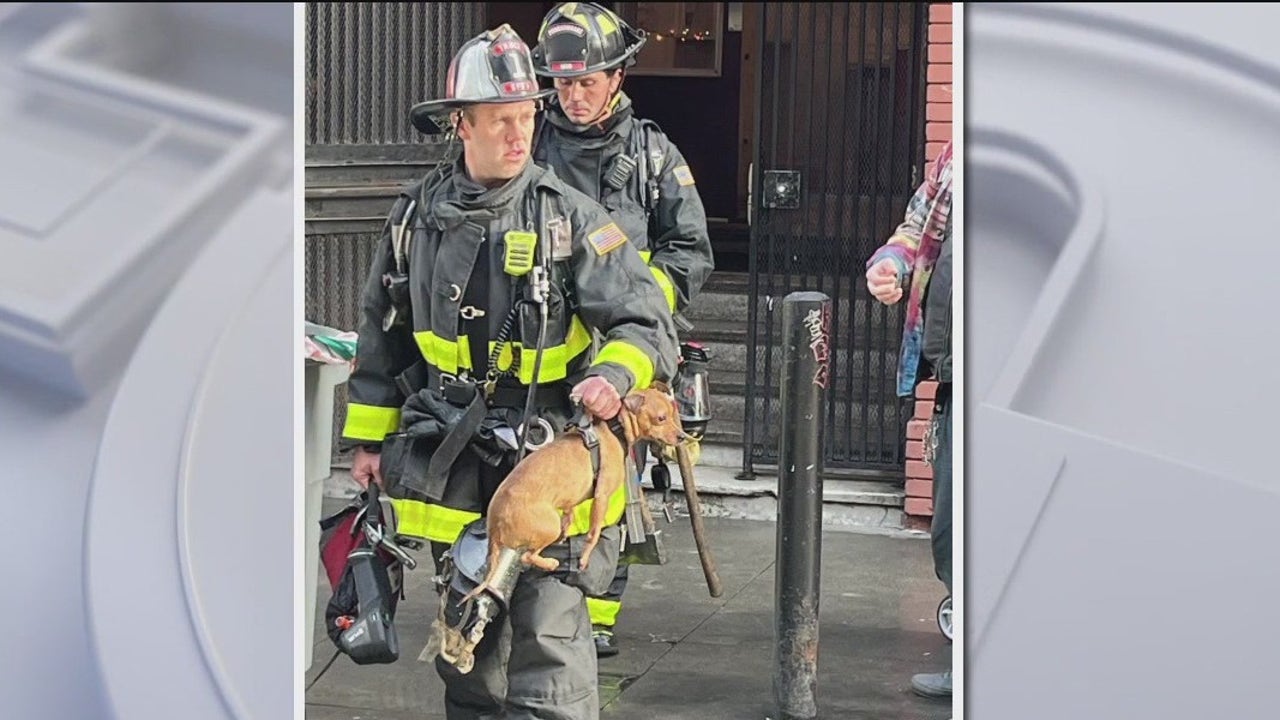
(367,63)
(841,105)
(336,266)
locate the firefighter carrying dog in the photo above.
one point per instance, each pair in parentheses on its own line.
(476,326)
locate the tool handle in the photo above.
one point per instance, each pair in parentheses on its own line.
(646,514)
(695,517)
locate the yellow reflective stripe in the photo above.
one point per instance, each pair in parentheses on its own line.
(668,289)
(504,357)
(581,524)
(370,422)
(630,357)
(555,359)
(603,612)
(451,356)
(446,355)
(433,522)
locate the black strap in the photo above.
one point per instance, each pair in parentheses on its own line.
(416,377)
(585,425)
(453,445)
(545,397)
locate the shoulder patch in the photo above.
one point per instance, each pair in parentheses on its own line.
(607,239)
(683,175)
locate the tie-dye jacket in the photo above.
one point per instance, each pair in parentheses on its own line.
(914,246)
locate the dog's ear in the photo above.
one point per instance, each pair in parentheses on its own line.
(660,387)
(633,402)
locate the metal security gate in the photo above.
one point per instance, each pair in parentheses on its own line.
(839,150)
(366,65)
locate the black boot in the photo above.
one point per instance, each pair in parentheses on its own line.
(606,645)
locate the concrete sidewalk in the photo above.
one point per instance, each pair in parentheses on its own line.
(686,656)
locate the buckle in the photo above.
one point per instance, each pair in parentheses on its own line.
(471,312)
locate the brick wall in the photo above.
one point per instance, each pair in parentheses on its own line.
(937,112)
(919,502)
(937,131)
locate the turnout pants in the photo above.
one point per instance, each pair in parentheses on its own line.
(539,661)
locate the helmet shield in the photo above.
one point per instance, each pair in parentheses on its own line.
(583,38)
(493,67)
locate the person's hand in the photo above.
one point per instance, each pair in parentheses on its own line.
(882,281)
(366,466)
(598,396)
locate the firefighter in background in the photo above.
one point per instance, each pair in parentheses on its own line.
(451,335)
(592,138)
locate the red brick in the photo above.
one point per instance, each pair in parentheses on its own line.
(927,390)
(924,409)
(932,149)
(919,469)
(916,428)
(939,73)
(939,53)
(938,112)
(918,506)
(938,92)
(939,33)
(939,12)
(937,131)
(915,450)
(920,488)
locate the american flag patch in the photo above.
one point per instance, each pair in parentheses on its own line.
(606,239)
(683,176)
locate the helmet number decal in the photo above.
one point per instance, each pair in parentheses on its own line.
(560,28)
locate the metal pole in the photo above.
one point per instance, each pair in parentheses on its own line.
(806,362)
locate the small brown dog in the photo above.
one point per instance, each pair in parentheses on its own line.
(533,506)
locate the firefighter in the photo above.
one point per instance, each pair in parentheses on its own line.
(591,136)
(462,349)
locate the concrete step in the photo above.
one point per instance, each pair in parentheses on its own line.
(737,283)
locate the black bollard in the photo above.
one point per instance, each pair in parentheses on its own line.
(806,368)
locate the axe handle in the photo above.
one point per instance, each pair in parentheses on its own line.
(647,515)
(695,517)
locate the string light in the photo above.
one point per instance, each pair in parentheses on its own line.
(685,35)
